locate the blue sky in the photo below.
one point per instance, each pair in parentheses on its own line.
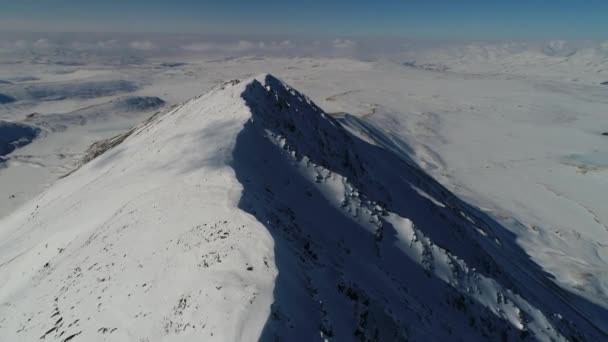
(442,19)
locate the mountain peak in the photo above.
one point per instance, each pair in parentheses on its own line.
(249,213)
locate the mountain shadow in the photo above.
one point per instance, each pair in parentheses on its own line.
(368,247)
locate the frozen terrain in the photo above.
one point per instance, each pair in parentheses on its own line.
(516,130)
(14,135)
(56,143)
(257,215)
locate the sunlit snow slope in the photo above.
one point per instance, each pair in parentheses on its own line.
(249,213)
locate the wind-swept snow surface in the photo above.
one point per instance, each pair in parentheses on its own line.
(249,213)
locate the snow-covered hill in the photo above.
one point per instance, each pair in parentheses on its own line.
(249,213)
(578,62)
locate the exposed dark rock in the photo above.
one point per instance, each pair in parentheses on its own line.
(172,64)
(140,103)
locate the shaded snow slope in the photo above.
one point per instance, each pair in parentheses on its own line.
(248,213)
(6,99)
(14,135)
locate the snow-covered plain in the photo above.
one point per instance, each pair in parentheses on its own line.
(518,134)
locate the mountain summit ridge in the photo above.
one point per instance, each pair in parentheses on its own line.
(249,213)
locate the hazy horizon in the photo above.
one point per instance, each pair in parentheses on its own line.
(436,19)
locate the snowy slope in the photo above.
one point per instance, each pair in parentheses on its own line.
(52,144)
(248,213)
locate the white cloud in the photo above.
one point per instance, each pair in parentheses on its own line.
(107,44)
(244,45)
(21,44)
(100,45)
(199,47)
(344,44)
(42,44)
(144,45)
(240,46)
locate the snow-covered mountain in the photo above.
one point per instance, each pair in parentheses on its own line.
(579,62)
(249,213)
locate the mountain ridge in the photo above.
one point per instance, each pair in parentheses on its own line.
(249,213)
